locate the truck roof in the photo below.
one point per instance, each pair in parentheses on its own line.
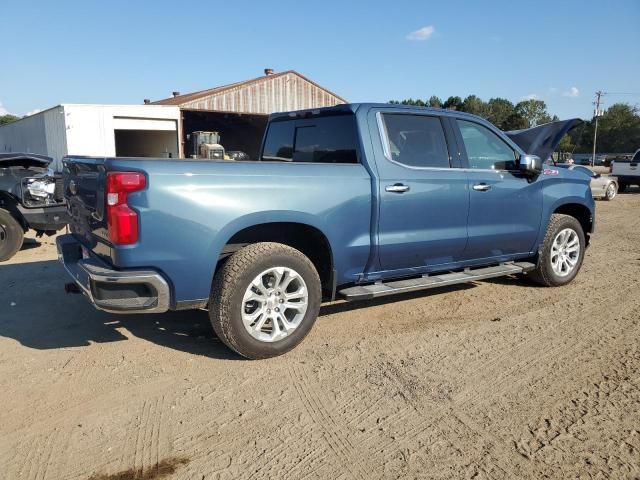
(354,107)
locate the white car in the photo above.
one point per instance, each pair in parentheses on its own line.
(627,171)
(602,186)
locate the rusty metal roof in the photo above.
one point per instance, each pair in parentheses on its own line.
(189,97)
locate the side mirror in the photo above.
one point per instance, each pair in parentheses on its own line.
(530,165)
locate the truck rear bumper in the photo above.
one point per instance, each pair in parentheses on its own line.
(114,291)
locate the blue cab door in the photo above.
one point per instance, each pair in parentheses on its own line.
(423,201)
(505,207)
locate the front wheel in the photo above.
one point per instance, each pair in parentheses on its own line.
(562,252)
(264,300)
(11,235)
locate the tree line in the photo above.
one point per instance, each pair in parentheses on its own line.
(618,127)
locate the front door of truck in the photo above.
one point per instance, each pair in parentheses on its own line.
(505,206)
(424,202)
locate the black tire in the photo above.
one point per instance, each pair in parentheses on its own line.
(230,284)
(544,273)
(622,187)
(11,236)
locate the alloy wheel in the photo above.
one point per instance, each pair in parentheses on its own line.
(274,304)
(565,252)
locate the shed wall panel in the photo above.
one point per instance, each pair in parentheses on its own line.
(25,135)
(287,92)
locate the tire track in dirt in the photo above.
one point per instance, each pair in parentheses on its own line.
(528,352)
(559,422)
(335,433)
(429,416)
(44,455)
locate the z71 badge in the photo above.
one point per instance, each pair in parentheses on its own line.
(550,171)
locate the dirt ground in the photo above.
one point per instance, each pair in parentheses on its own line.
(499,379)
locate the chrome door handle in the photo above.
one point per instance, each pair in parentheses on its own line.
(397,188)
(481,187)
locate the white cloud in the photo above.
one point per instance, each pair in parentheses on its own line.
(424,33)
(33,112)
(572,92)
(3,111)
(531,96)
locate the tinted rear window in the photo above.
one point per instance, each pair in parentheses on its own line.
(329,139)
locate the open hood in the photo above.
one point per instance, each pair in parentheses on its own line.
(543,140)
(25,160)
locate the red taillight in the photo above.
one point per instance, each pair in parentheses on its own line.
(122,220)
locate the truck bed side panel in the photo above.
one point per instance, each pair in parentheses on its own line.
(191,209)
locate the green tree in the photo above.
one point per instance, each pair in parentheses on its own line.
(566,144)
(8,118)
(409,101)
(619,129)
(500,109)
(533,111)
(475,105)
(435,102)
(515,121)
(453,103)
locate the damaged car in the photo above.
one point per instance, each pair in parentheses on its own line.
(31,197)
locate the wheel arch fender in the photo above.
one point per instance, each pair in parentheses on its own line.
(574,206)
(10,203)
(259,224)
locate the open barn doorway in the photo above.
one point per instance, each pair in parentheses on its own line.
(141,137)
(238,131)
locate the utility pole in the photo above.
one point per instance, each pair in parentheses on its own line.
(596,114)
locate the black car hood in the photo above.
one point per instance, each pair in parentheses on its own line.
(543,140)
(25,160)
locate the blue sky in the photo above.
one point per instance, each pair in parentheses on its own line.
(124,51)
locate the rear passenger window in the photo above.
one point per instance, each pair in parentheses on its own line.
(485,149)
(330,139)
(416,140)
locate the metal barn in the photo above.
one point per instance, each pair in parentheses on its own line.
(238,112)
(164,129)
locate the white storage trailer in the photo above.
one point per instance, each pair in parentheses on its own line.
(97,130)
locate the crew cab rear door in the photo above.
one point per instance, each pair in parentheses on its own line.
(505,206)
(423,201)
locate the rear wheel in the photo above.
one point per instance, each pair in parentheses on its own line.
(11,235)
(562,252)
(611,191)
(264,300)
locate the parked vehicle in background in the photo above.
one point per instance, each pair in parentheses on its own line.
(627,171)
(353,201)
(31,197)
(602,186)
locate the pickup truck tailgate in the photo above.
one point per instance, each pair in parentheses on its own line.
(84,180)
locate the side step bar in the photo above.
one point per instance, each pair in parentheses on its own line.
(380,289)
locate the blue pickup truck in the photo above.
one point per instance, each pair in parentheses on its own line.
(354,201)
